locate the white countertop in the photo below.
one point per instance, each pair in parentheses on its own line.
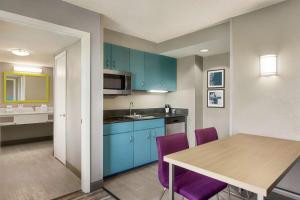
(24,111)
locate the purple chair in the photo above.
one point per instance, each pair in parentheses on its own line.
(191,185)
(206,135)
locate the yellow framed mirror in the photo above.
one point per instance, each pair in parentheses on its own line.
(21,87)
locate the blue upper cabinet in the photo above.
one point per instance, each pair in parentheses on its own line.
(120,58)
(107,56)
(153,75)
(169,73)
(149,71)
(137,69)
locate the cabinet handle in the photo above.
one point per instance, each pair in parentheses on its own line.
(143,83)
(149,136)
(131,139)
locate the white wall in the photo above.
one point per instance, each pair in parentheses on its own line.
(217,117)
(73,119)
(139,99)
(267,105)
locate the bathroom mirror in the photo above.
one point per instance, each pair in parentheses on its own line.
(25,87)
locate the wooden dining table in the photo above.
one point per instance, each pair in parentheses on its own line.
(251,162)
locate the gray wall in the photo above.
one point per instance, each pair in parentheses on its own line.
(267,105)
(217,117)
(73,119)
(61,13)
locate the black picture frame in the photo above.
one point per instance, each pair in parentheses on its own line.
(219,93)
(222,85)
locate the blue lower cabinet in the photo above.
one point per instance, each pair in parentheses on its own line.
(156,132)
(118,153)
(142,142)
(130,144)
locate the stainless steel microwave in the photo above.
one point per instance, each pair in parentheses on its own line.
(116,82)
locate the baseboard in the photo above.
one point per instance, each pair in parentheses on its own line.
(73,169)
(26,140)
(96,185)
(286,193)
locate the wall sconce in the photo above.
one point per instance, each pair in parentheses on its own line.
(268,65)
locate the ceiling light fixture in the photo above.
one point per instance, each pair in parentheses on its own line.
(27,69)
(20,52)
(204,51)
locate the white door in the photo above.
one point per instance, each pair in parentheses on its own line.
(59,136)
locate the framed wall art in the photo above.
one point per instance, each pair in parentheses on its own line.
(216,78)
(215,98)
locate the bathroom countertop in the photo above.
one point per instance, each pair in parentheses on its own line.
(24,113)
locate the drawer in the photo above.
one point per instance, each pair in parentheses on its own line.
(7,119)
(31,119)
(123,127)
(148,124)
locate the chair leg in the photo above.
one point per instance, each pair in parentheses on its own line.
(248,195)
(163,193)
(229,196)
(218,198)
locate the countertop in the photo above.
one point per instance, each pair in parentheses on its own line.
(118,119)
(25,113)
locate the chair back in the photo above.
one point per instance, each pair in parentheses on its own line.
(206,135)
(167,145)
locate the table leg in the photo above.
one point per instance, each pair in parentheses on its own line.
(260,197)
(171,181)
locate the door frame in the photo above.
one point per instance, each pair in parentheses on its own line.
(85,84)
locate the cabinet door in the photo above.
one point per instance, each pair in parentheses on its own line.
(142,147)
(156,132)
(137,69)
(153,80)
(169,73)
(107,56)
(120,58)
(118,153)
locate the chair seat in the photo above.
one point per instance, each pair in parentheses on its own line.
(194,186)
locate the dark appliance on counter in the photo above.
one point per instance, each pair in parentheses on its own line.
(116,82)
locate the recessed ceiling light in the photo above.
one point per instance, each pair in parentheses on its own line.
(20,52)
(204,50)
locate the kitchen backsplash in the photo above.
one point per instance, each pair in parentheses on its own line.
(139,99)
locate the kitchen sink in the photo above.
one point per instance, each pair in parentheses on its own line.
(139,116)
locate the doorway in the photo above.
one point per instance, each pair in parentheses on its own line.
(84,83)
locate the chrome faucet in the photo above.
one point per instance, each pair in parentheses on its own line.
(130,107)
